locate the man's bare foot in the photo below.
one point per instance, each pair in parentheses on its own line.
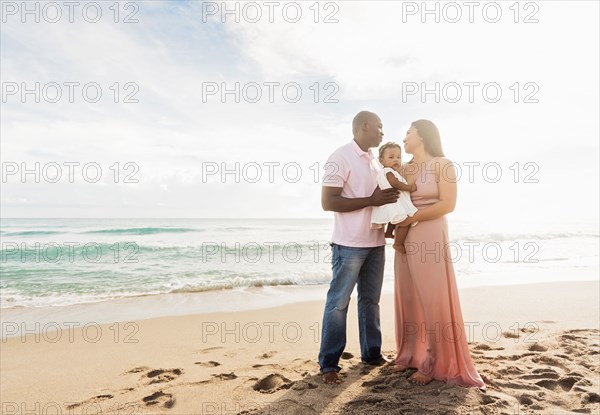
(420,379)
(331,378)
(396,368)
(400,248)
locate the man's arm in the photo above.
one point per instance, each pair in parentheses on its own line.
(332,199)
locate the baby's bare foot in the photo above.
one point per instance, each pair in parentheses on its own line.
(400,248)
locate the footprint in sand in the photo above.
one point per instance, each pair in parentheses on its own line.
(347,356)
(590,397)
(210,349)
(373,382)
(160,399)
(303,385)
(516,356)
(527,400)
(226,376)
(491,399)
(548,360)
(486,347)
(510,370)
(482,347)
(588,365)
(510,335)
(536,347)
(541,374)
(573,351)
(376,386)
(520,385)
(578,338)
(162,375)
(266,355)
(272,383)
(572,338)
(566,383)
(138,369)
(210,363)
(554,374)
(258,365)
(586,331)
(95,399)
(583,382)
(365,401)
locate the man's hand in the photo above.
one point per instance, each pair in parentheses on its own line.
(383,197)
(413,188)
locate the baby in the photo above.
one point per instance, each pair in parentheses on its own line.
(390,156)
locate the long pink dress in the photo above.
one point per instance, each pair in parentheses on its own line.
(430,332)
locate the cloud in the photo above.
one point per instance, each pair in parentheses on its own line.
(370,54)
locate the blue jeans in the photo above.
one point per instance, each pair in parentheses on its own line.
(352,266)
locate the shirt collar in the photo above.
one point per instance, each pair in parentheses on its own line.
(359,151)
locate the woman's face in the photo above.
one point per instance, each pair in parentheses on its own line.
(412,140)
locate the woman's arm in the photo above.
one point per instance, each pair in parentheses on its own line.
(397,184)
(446,178)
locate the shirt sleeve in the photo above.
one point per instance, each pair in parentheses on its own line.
(335,171)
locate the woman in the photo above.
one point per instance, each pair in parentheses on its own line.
(430,334)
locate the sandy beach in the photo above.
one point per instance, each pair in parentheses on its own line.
(536,346)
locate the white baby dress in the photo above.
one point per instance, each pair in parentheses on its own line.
(391,212)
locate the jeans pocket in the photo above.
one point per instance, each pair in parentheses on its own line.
(335,255)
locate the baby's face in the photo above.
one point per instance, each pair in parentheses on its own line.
(391,158)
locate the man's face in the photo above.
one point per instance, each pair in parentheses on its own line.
(374,131)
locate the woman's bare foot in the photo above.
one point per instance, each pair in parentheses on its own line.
(398,368)
(420,379)
(331,378)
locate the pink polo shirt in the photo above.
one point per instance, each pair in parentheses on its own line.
(350,168)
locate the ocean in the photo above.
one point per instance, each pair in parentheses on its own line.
(60,262)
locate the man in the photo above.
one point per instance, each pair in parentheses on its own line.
(358,252)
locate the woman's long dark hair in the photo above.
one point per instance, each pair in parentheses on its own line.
(431,137)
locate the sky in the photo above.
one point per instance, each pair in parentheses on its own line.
(230,110)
